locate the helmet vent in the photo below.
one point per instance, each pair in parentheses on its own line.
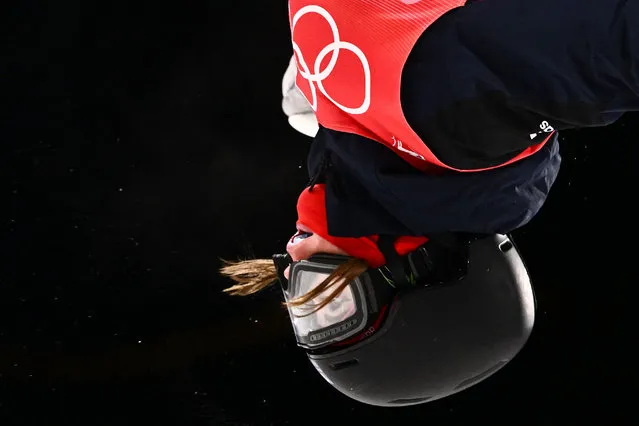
(505,246)
(344,364)
(480,376)
(405,401)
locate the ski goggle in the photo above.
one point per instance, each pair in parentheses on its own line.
(358,311)
(354,314)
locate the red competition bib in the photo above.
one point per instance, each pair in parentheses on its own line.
(350,55)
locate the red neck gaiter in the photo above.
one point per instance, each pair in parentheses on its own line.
(311,212)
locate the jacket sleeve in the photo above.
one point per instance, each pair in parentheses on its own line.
(486,78)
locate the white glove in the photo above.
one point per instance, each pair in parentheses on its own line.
(300,115)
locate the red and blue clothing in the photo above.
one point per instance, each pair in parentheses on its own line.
(439,116)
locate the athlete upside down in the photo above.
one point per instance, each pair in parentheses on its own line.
(439,116)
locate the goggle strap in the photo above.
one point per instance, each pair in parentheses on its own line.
(394,262)
(421,263)
(281,262)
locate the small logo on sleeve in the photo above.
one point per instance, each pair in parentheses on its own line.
(545,128)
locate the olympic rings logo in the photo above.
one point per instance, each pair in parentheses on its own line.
(334,48)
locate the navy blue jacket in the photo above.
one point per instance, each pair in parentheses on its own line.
(478,84)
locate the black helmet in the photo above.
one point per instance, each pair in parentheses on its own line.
(422,327)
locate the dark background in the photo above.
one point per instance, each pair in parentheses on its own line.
(142,141)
